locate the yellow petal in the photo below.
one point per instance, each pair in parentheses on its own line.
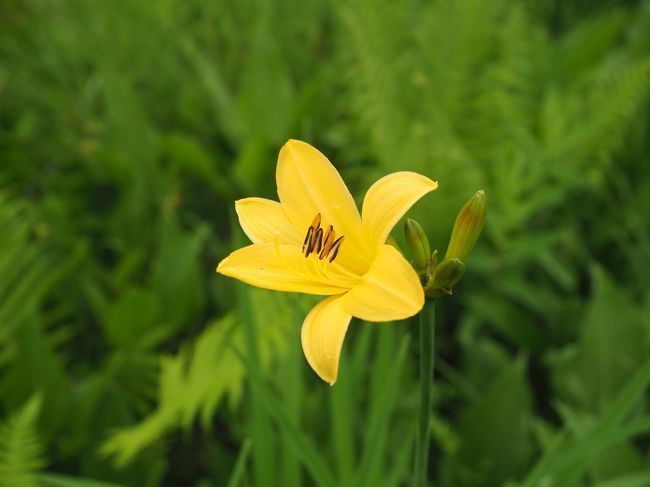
(279,267)
(388,199)
(390,290)
(264,221)
(309,184)
(322,336)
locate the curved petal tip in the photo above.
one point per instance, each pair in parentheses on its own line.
(389,199)
(322,335)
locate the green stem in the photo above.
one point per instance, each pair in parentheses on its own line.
(427,340)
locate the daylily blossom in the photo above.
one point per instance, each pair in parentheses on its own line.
(314,241)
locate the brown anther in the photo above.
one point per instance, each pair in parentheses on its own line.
(307,244)
(328,240)
(317,241)
(316,222)
(325,244)
(334,249)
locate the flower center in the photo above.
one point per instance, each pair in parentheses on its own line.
(321,243)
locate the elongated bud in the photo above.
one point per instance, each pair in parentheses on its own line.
(447,274)
(468,226)
(418,243)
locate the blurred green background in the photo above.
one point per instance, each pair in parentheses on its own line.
(127,130)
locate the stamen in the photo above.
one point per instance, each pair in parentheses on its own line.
(334,249)
(316,222)
(307,244)
(327,242)
(321,243)
(318,241)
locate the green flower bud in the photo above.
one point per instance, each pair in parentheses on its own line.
(418,243)
(468,226)
(447,274)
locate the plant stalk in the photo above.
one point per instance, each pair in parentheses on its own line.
(427,347)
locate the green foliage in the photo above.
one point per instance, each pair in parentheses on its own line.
(191,383)
(498,422)
(21,450)
(128,128)
(55,480)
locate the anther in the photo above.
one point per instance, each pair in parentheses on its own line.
(307,244)
(334,249)
(316,222)
(310,238)
(317,241)
(328,240)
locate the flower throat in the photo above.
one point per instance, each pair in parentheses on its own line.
(321,243)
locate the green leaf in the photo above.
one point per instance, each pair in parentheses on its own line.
(371,468)
(606,432)
(58,480)
(613,341)
(641,479)
(131,316)
(192,384)
(240,466)
(21,451)
(176,273)
(495,431)
(188,154)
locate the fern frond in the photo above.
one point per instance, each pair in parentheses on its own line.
(510,88)
(22,268)
(28,269)
(21,451)
(194,382)
(457,39)
(375,39)
(599,116)
(191,383)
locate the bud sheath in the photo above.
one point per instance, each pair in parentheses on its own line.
(447,274)
(468,227)
(418,243)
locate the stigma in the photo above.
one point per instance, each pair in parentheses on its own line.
(321,243)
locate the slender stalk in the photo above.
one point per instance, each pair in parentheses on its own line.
(427,341)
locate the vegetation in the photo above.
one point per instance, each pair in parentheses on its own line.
(127,130)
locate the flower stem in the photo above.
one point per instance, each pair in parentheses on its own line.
(427,340)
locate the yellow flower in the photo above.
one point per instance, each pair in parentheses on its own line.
(314,241)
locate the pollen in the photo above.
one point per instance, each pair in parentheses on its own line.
(318,242)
